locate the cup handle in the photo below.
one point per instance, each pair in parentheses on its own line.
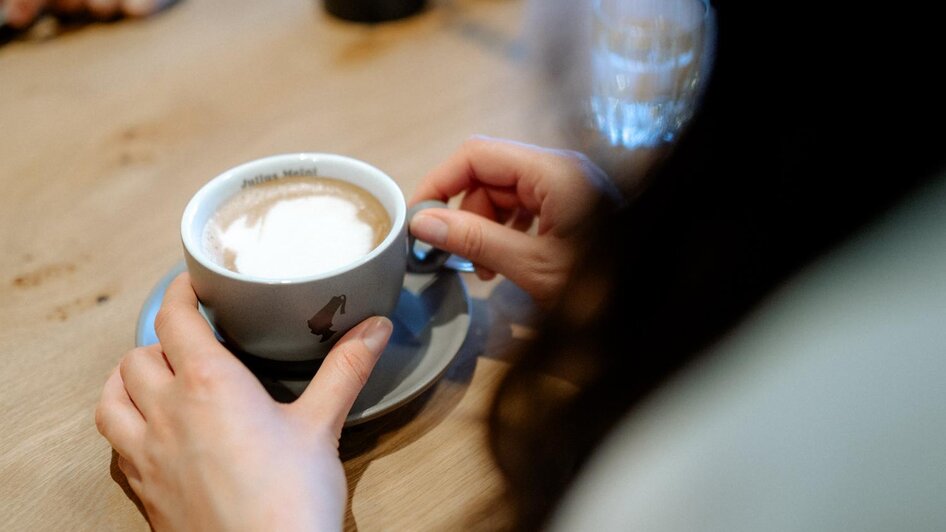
(435,259)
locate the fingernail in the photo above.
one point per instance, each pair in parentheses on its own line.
(429,228)
(376,334)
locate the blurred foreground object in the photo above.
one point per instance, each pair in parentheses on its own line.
(620,79)
(648,59)
(373,10)
(44,19)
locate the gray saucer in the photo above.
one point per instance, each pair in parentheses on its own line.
(430,324)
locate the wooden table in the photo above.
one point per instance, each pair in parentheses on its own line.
(108,129)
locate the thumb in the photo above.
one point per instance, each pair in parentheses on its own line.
(486,243)
(344,372)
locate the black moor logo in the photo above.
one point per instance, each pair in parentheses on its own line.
(321,323)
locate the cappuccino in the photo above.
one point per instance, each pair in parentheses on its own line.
(295,227)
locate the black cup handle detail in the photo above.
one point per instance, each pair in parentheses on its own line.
(434,259)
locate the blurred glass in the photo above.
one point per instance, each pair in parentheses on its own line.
(647,58)
(373,11)
(618,79)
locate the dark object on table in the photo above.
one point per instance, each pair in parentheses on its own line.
(373,10)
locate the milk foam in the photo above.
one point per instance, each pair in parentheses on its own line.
(295,229)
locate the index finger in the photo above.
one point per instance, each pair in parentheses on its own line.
(497,163)
(181,328)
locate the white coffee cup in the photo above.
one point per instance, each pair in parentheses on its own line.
(299,318)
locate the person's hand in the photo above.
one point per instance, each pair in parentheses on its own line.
(21,13)
(506,185)
(205,447)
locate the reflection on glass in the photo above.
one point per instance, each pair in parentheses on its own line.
(618,79)
(646,68)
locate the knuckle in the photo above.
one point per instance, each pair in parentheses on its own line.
(129,360)
(472,240)
(475,142)
(123,464)
(546,275)
(476,146)
(166,314)
(578,160)
(573,156)
(101,419)
(200,375)
(354,366)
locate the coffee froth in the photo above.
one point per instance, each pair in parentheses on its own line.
(295,227)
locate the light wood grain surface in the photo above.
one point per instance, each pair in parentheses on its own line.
(108,129)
